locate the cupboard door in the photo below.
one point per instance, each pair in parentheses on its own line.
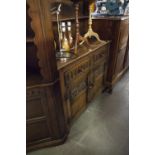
(77,97)
(37,127)
(98,80)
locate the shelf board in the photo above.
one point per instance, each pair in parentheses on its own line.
(29,40)
(110,17)
(69,19)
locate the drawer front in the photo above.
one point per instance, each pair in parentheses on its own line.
(100,55)
(124,32)
(76,71)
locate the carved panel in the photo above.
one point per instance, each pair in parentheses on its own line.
(74,92)
(77,90)
(99,70)
(76,72)
(37,131)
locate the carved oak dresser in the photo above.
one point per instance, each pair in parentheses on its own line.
(82,78)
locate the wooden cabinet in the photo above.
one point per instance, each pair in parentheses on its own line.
(97,77)
(115,29)
(57,92)
(82,78)
(45,121)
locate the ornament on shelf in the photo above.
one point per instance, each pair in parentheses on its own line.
(64,40)
(63,52)
(90,32)
(78,39)
(57,12)
(70,38)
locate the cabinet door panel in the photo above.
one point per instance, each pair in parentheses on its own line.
(97,84)
(79,104)
(37,131)
(77,97)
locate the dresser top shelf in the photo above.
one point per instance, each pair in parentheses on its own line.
(82,52)
(111,17)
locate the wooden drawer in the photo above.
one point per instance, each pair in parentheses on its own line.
(76,71)
(79,104)
(100,55)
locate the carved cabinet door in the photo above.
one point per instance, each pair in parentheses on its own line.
(97,80)
(78,97)
(75,86)
(98,73)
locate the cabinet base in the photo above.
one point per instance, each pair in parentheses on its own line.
(48,143)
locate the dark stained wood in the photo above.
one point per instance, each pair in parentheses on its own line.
(126,59)
(82,78)
(115,29)
(41,26)
(29,40)
(46,124)
(57,92)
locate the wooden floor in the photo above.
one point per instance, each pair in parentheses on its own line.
(103,129)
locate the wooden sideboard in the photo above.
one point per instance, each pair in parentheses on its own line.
(115,29)
(57,92)
(83,77)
